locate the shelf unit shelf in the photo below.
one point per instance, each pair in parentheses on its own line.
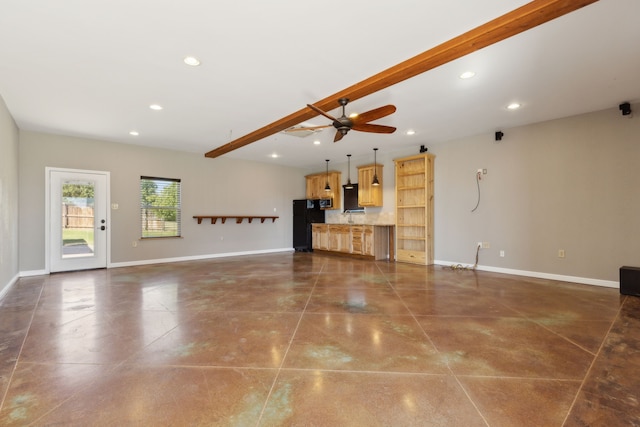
(414,209)
(410,174)
(411,188)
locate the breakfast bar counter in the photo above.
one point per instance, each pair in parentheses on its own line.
(373,241)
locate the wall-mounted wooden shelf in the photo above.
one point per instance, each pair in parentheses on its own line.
(238,218)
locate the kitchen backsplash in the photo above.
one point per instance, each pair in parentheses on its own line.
(385,218)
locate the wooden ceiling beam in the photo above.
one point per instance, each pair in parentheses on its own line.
(524,18)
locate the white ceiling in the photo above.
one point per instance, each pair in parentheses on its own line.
(91,68)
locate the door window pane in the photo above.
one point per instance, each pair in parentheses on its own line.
(77,219)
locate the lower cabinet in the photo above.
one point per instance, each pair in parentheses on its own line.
(320,236)
(362,240)
(367,241)
(356,239)
(350,239)
(339,238)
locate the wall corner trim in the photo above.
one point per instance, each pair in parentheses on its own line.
(8,286)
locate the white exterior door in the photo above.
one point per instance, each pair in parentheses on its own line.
(78,219)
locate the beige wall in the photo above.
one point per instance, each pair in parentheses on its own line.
(209,186)
(567,184)
(8,198)
(571,184)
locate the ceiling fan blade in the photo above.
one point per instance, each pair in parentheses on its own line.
(517,21)
(338,136)
(319,111)
(306,128)
(375,114)
(368,127)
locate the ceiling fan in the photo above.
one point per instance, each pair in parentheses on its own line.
(360,122)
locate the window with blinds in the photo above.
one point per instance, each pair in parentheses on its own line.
(159,207)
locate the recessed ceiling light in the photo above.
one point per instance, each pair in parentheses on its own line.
(316,142)
(155,107)
(411,132)
(134,133)
(192,60)
(467,75)
(274,156)
(513,106)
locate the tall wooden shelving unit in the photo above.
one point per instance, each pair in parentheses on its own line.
(414,209)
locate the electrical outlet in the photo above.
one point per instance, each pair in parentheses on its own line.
(479,170)
(560,253)
(134,243)
(479,245)
(485,245)
(502,254)
(484,171)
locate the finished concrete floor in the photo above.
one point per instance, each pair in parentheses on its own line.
(297,339)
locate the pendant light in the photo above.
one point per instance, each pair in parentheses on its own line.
(375,182)
(327,187)
(349,185)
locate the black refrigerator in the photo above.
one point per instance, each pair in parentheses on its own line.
(305,213)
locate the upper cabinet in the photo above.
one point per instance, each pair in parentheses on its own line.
(369,195)
(317,182)
(315,186)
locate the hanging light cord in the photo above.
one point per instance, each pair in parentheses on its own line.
(478,183)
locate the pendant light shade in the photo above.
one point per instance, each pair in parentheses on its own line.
(327,187)
(375,169)
(349,185)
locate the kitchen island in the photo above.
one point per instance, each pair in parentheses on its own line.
(367,241)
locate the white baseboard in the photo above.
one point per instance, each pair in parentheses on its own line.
(8,286)
(558,277)
(33,273)
(196,257)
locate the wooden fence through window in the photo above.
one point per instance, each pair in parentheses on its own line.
(77,216)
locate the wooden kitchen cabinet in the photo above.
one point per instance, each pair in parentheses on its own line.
(356,239)
(368,241)
(414,209)
(339,238)
(362,240)
(369,195)
(313,186)
(316,184)
(320,236)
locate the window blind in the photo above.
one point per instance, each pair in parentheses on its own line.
(160,207)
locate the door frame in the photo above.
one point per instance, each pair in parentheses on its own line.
(47,216)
